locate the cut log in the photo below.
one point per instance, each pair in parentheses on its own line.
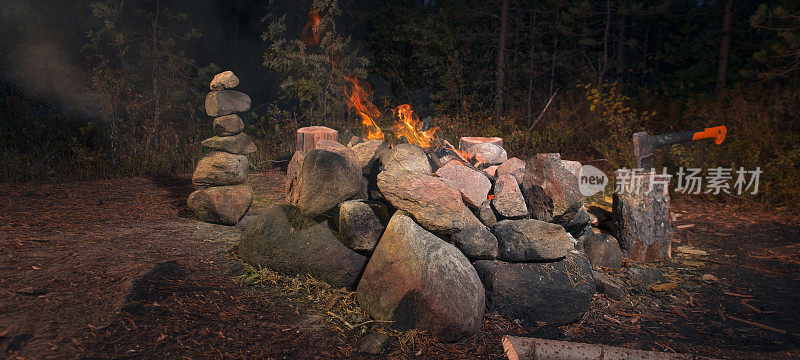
(469,141)
(308,137)
(521,348)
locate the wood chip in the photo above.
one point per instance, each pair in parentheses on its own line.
(684,226)
(730,293)
(751,307)
(709,277)
(691,251)
(664,287)
(759,325)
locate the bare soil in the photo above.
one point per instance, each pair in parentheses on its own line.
(119,269)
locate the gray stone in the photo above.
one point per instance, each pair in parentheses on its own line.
(476,241)
(531,240)
(608,285)
(361,224)
(221,204)
(407,157)
(367,153)
(573,167)
(514,167)
(603,250)
(646,276)
(419,281)
(555,292)
(291,182)
(354,140)
(579,222)
(220,168)
(328,176)
(283,240)
(374,343)
(228,125)
(550,190)
(489,153)
(486,214)
(508,199)
(224,102)
(434,204)
(473,184)
(224,80)
(236,144)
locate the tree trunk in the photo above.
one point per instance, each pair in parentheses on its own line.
(308,137)
(620,46)
(604,67)
(501,62)
(725,50)
(532,63)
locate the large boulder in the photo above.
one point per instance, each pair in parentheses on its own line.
(486,214)
(531,240)
(431,201)
(284,240)
(420,281)
(476,241)
(368,152)
(224,80)
(555,292)
(221,204)
(221,168)
(514,167)
(473,184)
(224,102)
(235,144)
(228,125)
(508,199)
(407,157)
(550,189)
(603,250)
(328,176)
(291,181)
(361,223)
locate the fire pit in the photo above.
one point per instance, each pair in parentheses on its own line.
(429,234)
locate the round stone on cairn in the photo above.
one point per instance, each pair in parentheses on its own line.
(222,197)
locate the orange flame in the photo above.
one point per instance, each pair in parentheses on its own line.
(310,35)
(358,94)
(407,125)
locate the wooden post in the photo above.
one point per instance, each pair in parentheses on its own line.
(308,137)
(469,141)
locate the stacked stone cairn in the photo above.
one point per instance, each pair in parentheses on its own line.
(222,196)
(432,248)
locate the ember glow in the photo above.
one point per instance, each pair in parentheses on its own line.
(358,97)
(310,35)
(406,122)
(407,125)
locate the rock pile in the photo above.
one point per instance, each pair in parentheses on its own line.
(432,247)
(222,196)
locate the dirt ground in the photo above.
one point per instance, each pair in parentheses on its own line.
(119,269)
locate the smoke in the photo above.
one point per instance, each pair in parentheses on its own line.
(36,36)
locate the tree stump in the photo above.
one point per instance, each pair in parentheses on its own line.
(641,219)
(465,143)
(308,137)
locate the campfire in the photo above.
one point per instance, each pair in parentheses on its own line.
(429,234)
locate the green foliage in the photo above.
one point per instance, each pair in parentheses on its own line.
(150,88)
(312,69)
(619,121)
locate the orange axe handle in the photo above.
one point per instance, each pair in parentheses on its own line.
(717,133)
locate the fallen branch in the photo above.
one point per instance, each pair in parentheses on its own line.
(762,326)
